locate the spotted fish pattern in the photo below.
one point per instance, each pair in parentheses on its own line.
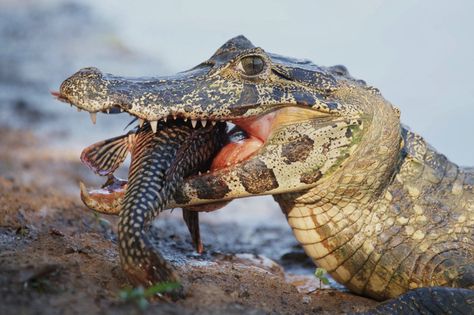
(160,161)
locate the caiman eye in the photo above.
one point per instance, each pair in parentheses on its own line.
(251,65)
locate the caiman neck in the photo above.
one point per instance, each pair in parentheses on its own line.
(371,166)
(394,204)
(330,219)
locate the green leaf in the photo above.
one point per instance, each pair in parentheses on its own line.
(161,287)
(320,272)
(139,295)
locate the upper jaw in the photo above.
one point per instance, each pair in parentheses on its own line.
(92,90)
(191,95)
(148,99)
(183,96)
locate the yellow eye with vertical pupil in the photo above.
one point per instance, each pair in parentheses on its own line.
(251,65)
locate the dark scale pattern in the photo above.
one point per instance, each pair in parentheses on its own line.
(436,300)
(159,163)
(298,150)
(257,177)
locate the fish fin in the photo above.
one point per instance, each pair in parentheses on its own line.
(106,156)
(192,221)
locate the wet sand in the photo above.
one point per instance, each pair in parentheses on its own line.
(58,257)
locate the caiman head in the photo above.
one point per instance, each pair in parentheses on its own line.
(295,123)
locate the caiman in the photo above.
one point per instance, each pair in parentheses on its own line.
(369,200)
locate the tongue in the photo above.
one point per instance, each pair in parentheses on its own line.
(257,129)
(235,152)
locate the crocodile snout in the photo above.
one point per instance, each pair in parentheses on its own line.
(87,89)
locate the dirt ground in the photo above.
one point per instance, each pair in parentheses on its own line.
(58,257)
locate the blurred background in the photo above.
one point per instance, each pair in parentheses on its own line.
(419,54)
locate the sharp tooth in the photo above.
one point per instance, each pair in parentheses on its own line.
(165,119)
(83,188)
(141,122)
(204,122)
(154,125)
(194,122)
(213,122)
(93,117)
(121,110)
(199,173)
(174,117)
(108,110)
(185,119)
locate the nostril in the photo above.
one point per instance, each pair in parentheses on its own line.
(339,70)
(89,71)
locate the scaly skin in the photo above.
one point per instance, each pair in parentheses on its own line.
(369,201)
(397,216)
(160,161)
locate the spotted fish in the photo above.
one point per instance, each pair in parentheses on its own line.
(159,163)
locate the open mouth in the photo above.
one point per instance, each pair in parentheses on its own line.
(245,137)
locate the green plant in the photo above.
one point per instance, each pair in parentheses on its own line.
(321,273)
(23,231)
(140,295)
